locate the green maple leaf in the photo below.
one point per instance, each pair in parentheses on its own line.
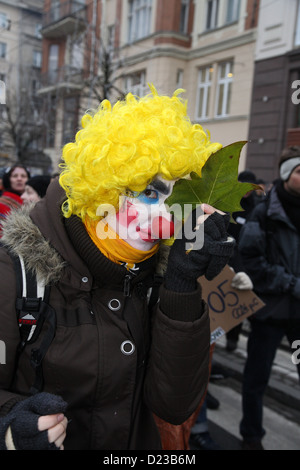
(218,184)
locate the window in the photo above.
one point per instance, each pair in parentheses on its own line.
(212,14)
(4,23)
(184,16)
(37,31)
(2,89)
(139,19)
(35,85)
(203,92)
(136,83)
(70,119)
(55,10)
(297,29)
(77,5)
(224,89)
(50,122)
(3,50)
(111,38)
(53,63)
(179,78)
(77,53)
(35,143)
(233,10)
(37,59)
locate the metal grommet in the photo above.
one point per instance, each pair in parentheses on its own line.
(114,304)
(85,279)
(127,347)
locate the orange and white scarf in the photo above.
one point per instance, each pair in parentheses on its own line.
(113,247)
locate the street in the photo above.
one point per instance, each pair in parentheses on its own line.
(280,422)
(281,404)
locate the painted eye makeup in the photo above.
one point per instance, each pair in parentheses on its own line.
(149,196)
(129,193)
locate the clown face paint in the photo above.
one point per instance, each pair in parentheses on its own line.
(143,218)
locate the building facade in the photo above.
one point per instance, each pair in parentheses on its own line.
(105,48)
(21,123)
(275,112)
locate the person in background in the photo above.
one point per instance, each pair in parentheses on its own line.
(36,188)
(269,244)
(15,178)
(261,193)
(200,437)
(248,203)
(14,181)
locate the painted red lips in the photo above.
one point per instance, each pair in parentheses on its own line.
(160,229)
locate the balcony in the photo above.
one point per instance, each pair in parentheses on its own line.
(65,79)
(64,18)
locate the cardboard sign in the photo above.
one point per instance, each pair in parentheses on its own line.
(227,306)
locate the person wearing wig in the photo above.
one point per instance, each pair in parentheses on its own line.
(120,356)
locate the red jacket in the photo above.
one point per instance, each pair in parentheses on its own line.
(9,201)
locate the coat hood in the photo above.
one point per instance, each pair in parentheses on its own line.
(23,238)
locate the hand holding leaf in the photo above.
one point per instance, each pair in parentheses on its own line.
(218,184)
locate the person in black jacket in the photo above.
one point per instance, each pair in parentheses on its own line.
(270,246)
(248,202)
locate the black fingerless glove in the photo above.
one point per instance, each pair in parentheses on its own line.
(23,422)
(184,267)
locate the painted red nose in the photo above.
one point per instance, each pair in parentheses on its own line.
(162,228)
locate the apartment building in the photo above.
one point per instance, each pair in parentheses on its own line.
(69,29)
(204,46)
(275,114)
(20,67)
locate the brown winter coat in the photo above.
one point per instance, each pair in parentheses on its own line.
(111,396)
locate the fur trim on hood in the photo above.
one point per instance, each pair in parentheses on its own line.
(163,255)
(23,238)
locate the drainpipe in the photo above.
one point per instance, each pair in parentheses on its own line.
(93,38)
(254,13)
(93,46)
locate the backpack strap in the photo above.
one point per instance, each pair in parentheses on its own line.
(27,303)
(33,310)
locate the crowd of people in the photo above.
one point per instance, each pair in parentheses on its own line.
(269,244)
(109,365)
(17,186)
(267,234)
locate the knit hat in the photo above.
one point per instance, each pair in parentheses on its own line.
(2,172)
(247,176)
(289,160)
(39,183)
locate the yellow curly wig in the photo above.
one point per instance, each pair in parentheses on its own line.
(125,146)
